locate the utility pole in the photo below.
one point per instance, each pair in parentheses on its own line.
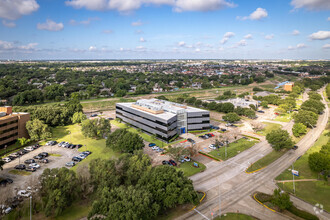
(219,200)
(30,207)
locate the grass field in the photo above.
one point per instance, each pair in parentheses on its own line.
(235,216)
(313,191)
(189,170)
(145,136)
(233,148)
(284,117)
(266,160)
(72,133)
(20,172)
(269,127)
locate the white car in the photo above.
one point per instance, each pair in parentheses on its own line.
(213,147)
(34,165)
(24,193)
(155,148)
(82,156)
(6,159)
(30,148)
(187,159)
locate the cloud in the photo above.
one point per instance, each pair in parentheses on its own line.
(295,32)
(140,48)
(326,46)
(142,39)
(137,23)
(92,48)
(50,26)
(131,5)
(9,24)
(258,14)
(226,37)
(248,36)
(14,9)
(138,32)
(320,35)
(107,31)
(84,22)
(269,37)
(298,46)
(8,46)
(311,4)
(182,44)
(197,50)
(328,19)
(242,43)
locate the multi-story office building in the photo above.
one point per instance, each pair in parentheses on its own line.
(163,118)
(12,126)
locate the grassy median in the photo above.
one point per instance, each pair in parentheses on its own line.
(266,160)
(269,127)
(189,170)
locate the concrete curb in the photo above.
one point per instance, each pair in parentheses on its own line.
(199,201)
(254,196)
(254,170)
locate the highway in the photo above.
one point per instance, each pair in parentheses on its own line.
(236,186)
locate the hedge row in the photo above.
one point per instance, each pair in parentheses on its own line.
(208,155)
(198,131)
(302,214)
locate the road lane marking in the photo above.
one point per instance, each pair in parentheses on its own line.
(201,214)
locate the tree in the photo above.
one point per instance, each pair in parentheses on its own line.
(313,105)
(96,128)
(299,129)
(281,199)
(279,139)
(125,203)
(227,107)
(307,118)
(231,117)
(320,161)
(59,188)
(38,130)
(249,113)
(124,141)
(23,141)
(253,107)
(264,104)
(315,96)
(78,117)
(1,164)
(177,152)
(54,92)
(257,126)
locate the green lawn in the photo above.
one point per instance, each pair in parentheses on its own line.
(20,172)
(266,160)
(233,148)
(235,216)
(145,136)
(284,117)
(189,170)
(269,127)
(55,155)
(97,147)
(312,192)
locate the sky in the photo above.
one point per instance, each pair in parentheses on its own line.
(164,29)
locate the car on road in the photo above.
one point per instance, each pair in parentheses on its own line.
(295,147)
(29,161)
(30,169)
(151,144)
(20,167)
(24,193)
(70,164)
(6,159)
(30,148)
(34,165)
(165,162)
(173,162)
(76,159)
(212,146)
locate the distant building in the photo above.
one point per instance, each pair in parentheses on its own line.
(163,118)
(237,102)
(263,93)
(12,126)
(288,87)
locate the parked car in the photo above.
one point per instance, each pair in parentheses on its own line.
(191,140)
(173,162)
(93,115)
(24,193)
(29,161)
(51,143)
(165,162)
(38,157)
(155,147)
(260,111)
(87,152)
(7,210)
(20,167)
(160,150)
(34,165)
(44,154)
(70,164)
(36,146)
(30,148)
(76,159)
(214,127)
(223,129)
(152,144)
(30,169)
(79,146)
(60,144)
(187,159)
(6,181)
(212,146)
(43,160)
(110,119)
(82,156)
(15,155)
(6,159)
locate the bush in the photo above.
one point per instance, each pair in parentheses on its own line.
(302,214)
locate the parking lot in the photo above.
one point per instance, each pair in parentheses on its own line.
(58,157)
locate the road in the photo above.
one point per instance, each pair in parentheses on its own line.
(236,186)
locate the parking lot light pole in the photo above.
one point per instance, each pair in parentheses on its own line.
(30,207)
(294,186)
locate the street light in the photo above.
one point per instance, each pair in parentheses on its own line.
(30,207)
(294,186)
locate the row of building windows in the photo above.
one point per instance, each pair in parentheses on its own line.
(203,122)
(200,116)
(7,130)
(157,122)
(8,123)
(7,137)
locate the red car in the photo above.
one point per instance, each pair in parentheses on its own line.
(212,135)
(172,162)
